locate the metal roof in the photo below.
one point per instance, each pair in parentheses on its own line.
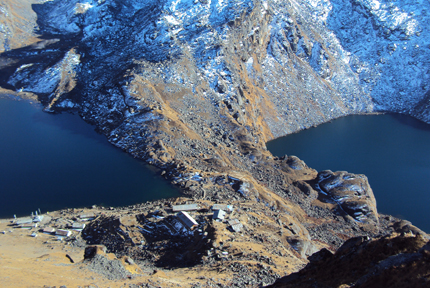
(186,219)
(61,232)
(24,221)
(87,216)
(219,214)
(185,207)
(235,225)
(49,230)
(224,207)
(78,225)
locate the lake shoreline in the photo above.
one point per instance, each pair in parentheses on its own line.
(363,145)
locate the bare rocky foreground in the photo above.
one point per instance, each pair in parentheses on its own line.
(197,88)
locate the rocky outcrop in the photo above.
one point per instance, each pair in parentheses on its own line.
(351,192)
(97,260)
(161,240)
(92,250)
(396,261)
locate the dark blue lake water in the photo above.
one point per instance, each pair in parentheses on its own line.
(57,161)
(391,150)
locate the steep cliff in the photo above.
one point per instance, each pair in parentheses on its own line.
(198,87)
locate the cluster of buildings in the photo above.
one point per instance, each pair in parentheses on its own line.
(181,223)
(42,223)
(219,214)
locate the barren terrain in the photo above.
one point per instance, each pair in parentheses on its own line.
(197,88)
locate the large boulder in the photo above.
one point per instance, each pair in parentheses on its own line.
(93,250)
(302,246)
(351,192)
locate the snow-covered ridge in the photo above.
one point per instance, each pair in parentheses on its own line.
(322,58)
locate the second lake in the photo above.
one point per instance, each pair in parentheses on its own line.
(391,150)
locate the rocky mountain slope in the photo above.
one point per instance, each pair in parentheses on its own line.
(198,87)
(395,261)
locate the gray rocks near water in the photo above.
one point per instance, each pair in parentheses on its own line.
(351,192)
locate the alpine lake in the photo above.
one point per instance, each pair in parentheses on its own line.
(51,162)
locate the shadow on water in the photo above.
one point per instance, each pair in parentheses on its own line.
(67,121)
(72,123)
(410,121)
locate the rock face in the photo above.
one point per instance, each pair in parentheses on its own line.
(93,250)
(157,241)
(277,67)
(351,192)
(97,261)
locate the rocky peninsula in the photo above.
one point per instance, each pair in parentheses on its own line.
(197,88)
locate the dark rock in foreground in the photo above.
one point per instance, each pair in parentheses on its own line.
(394,261)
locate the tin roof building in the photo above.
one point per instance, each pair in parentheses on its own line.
(78,226)
(235,225)
(186,207)
(61,232)
(187,220)
(224,207)
(49,230)
(218,214)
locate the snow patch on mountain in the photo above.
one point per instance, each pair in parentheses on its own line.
(388,42)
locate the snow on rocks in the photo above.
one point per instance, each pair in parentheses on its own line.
(351,192)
